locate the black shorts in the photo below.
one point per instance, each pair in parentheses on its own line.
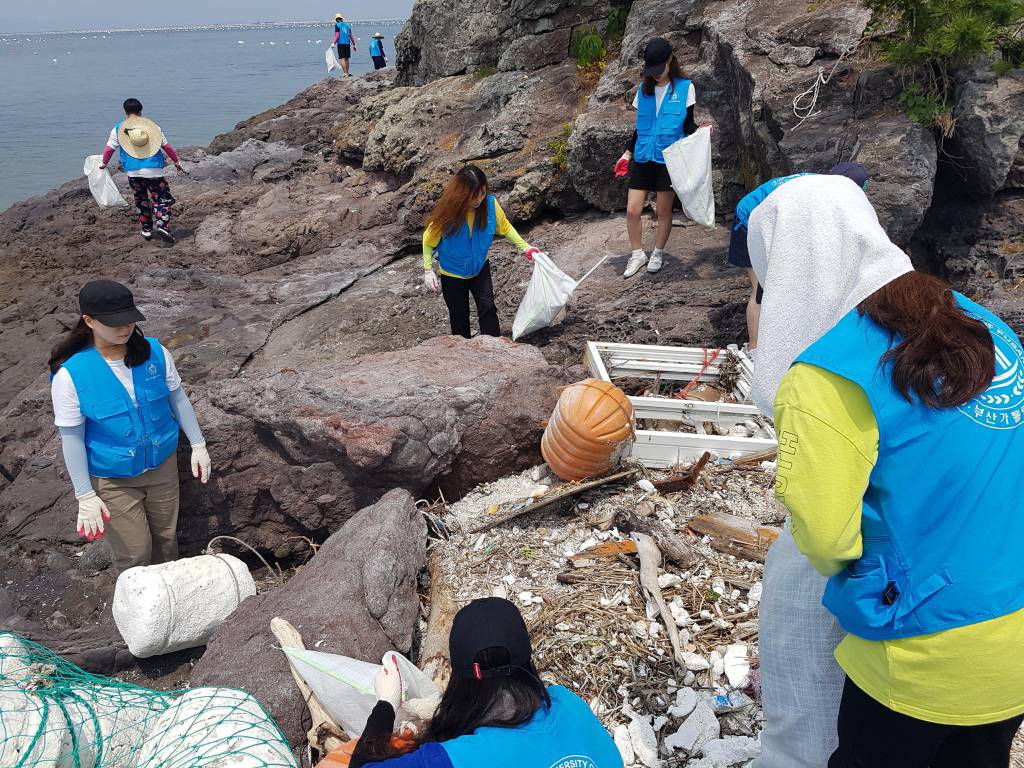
(344,50)
(649,176)
(739,256)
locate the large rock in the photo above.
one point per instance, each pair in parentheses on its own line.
(357,597)
(989,117)
(598,139)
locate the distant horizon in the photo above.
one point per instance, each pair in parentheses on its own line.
(213,26)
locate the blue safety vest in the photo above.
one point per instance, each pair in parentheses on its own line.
(344,32)
(941,520)
(656,130)
(376,47)
(567,735)
(129,163)
(122,438)
(464,253)
(751,200)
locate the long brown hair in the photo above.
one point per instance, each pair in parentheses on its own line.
(944,357)
(675,72)
(80,337)
(455,204)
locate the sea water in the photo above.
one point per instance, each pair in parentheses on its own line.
(61,94)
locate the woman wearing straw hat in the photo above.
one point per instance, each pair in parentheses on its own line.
(377,51)
(141,146)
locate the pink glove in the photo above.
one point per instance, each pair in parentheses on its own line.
(529,253)
(621,167)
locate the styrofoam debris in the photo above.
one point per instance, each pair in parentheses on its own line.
(644,740)
(689,678)
(696,731)
(679,612)
(686,700)
(717,662)
(731,750)
(659,723)
(695,662)
(736,665)
(500,591)
(754,595)
(669,580)
(718,585)
(645,485)
(624,744)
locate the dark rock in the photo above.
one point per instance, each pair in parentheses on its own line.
(357,597)
(56,561)
(598,139)
(8,605)
(1015,177)
(95,557)
(989,116)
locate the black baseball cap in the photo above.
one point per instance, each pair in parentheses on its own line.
(856,172)
(109,302)
(656,53)
(490,622)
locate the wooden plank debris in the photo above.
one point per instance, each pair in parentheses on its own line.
(734,535)
(670,543)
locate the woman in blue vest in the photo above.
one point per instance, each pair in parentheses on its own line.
(495,710)
(461,229)
(380,60)
(901,451)
(119,405)
(664,114)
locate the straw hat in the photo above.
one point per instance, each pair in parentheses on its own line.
(139,136)
(378,34)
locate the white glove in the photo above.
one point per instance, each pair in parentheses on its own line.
(92,513)
(388,683)
(430,280)
(201,462)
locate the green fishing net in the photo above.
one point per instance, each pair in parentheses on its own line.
(55,715)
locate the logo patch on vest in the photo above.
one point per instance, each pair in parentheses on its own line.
(1001,406)
(152,370)
(574,761)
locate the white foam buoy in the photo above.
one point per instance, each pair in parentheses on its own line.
(164,608)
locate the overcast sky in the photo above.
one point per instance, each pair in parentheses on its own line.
(60,15)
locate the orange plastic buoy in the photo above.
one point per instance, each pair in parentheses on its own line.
(588,430)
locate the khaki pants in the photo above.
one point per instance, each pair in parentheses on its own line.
(143,515)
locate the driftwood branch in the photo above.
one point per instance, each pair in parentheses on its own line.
(436,661)
(685,480)
(670,543)
(564,492)
(756,458)
(650,559)
(734,535)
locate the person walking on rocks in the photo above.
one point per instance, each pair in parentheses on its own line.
(345,39)
(899,406)
(460,230)
(664,105)
(496,711)
(738,254)
(380,60)
(141,146)
(119,405)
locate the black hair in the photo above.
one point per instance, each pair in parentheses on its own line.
(675,72)
(80,337)
(132,107)
(468,704)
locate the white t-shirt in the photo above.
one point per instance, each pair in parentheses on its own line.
(66,410)
(659,96)
(144,173)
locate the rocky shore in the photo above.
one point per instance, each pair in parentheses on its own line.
(293,302)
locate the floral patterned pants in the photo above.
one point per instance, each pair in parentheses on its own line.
(154,201)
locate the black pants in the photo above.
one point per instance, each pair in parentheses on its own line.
(379,62)
(456,295)
(873,736)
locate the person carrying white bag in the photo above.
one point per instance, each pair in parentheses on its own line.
(689,166)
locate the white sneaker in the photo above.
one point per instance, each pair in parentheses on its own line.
(654,264)
(636,261)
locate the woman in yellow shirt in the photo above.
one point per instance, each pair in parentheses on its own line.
(900,453)
(460,230)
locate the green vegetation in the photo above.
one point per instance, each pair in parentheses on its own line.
(587,47)
(616,24)
(932,36)
(481,72)
(559,145)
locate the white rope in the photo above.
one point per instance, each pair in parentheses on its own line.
(805,105)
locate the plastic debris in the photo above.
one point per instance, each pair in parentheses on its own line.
(736,665)
(624,744)
(686,700)
(696,731)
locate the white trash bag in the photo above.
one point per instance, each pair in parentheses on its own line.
(332,59)
(801,682)
(103,188)
(549,291)
(689,166)
(345,686)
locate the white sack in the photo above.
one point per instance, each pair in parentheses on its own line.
(689,166)
(345,686)
(104,190)
(332,59)
(549,291)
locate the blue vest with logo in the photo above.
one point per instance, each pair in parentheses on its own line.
(344,32)
(122,438)
(464,253)
(129,163)
(751,200)
(567,735)
(941,522)
(656,130)
(376,47)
